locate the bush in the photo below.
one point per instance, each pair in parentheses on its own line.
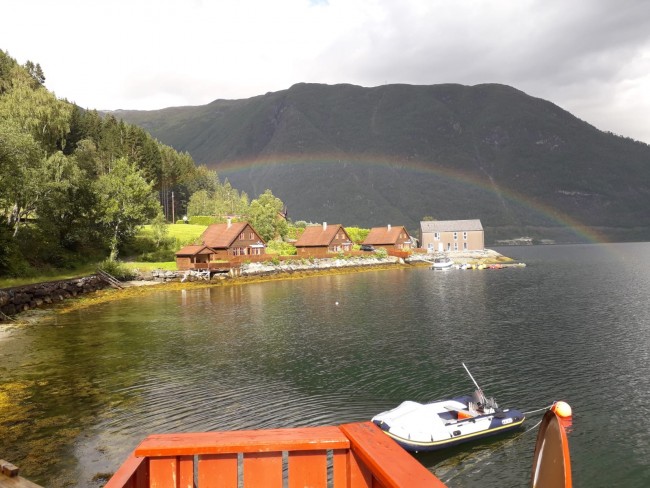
(281,248)
(158,256)
(381,253)
(357,234)
(12,262)
(117,270)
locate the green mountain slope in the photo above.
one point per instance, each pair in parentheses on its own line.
(395,153)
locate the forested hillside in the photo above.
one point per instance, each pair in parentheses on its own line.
(76,186)
(397,153)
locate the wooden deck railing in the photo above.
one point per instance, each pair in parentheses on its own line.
(355,455)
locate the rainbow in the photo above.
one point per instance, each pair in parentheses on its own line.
(418,166)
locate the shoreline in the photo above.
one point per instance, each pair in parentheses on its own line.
(280,272)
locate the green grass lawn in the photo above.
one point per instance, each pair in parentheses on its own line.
(142,266)
(54,275)
(181,232)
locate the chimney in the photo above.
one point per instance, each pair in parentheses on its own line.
(324,225)
(388,227)
(229,221)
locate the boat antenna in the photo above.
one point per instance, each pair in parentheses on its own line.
(470,375)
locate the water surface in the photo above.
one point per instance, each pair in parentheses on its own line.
(78,392)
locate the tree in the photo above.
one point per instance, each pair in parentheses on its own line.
(7,65)
(69,207)
(127,201)
(37,111)
(264,216)
(159,229)
(144,151)
(200,204)
(21,177)
(36,72)
(357,234)
(228,200)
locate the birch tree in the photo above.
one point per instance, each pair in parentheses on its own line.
(127,201)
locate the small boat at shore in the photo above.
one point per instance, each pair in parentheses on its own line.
(444,423)
(442,263)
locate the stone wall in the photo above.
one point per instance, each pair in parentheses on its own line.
(27,297)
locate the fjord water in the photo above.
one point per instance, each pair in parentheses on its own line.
(79,391)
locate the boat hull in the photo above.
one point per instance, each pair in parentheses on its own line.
(434,445)
(445,423)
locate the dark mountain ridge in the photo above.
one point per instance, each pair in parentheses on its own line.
(397,153)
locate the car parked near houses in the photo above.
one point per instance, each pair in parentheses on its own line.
(367,247)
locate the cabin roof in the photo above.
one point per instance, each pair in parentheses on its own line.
(319,235)
(385,235)
(221,236)
(450,225)
(194,250)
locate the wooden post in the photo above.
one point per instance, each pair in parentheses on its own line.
(8,469)
(9,477)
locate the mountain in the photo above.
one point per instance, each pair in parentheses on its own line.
(396,153)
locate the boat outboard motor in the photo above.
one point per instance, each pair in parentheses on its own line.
(479,398)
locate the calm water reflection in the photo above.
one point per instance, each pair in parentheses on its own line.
(79,392)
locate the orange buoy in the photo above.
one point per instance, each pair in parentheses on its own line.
(562,409)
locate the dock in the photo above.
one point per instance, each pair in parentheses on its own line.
(10,478)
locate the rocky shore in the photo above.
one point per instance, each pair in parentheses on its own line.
(267,268)
(28,297)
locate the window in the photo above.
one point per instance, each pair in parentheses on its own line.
(455,246)
(251,236)
(464,236)
(242,236)
(465,246)
(455,236)
(436,236)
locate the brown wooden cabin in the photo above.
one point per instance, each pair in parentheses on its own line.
(357,455)
(233,239)
(189,256)
(322,240)
(221,243)
(391,238)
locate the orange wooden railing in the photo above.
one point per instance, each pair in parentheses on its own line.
(355,455)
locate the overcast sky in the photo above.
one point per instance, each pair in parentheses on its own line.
(591,57)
